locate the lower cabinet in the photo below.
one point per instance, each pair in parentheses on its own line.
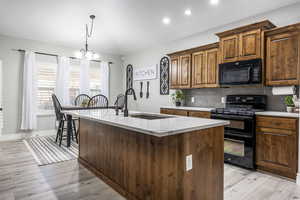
(277,145)
(202,114)
(173,112)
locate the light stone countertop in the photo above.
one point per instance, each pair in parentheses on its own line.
(157,127)
(278,114)
(264,113)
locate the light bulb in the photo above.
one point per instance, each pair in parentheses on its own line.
(188,12)
(89,55)
(214,2)
(78,54)
(166,20)
(96,56)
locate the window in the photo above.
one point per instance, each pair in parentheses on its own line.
(47,79)
(46,84)
(95,79)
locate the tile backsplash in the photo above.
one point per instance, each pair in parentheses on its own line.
(211,97)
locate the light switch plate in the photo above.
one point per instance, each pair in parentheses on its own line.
(189,162)
(193,99)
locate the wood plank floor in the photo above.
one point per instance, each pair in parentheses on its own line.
(21,178)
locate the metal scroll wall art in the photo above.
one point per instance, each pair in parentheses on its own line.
(129,77)
(164,76)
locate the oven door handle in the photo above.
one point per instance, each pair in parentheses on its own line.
(237,135)
(237,141)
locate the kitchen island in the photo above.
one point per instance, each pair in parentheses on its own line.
(154,157)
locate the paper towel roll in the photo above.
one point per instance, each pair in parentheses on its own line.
(288,90)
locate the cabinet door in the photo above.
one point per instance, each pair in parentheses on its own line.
(250,45)
(174,72)
(212,60)
(199,69)
(276,151)
(282,61)
(229,48)
(185,71)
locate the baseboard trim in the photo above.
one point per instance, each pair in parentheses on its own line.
(23,135)
(298,179)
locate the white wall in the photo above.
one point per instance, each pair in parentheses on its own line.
(280,17)
(12,77)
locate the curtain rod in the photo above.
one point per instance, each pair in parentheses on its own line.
(49,54)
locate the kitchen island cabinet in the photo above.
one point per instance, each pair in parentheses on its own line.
(153,159)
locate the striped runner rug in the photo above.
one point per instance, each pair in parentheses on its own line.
(45,151)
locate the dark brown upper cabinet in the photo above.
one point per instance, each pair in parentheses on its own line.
(185,71)
(174,72)
(180,73)
(205,68)
(283,56)
(195,68)
(243,43)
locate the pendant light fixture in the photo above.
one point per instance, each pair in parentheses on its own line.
(85,53)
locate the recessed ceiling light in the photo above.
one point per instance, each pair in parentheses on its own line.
(166,20)
(214,2)
(188,12)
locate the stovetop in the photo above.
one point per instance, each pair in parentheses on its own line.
(243,105)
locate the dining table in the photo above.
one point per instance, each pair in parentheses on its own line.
(70,118)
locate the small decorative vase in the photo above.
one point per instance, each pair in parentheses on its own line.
(289,109)
(178,103)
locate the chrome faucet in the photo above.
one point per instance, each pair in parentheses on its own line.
(126,100)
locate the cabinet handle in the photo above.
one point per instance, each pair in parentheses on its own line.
(275,134)
(282,39)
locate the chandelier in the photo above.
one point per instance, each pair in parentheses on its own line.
(85,53)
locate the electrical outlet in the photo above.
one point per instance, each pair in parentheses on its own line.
(193,99)
(189,162)
(223,99)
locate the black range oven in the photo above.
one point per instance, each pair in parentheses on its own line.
(239,138)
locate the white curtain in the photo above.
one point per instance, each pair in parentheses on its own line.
(84,82)
(104,70)
(62,80)
(29,98)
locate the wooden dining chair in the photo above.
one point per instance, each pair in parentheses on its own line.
(61,118)
(82,100)
(98,101)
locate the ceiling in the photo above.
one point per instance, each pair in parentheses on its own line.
(121,26)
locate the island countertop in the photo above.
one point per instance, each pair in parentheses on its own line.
(158,127)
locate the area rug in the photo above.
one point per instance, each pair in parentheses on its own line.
(45,151)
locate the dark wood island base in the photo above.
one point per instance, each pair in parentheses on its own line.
(145,167)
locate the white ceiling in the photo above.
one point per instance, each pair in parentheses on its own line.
(121,26)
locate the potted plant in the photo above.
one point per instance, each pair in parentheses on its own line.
(289,103)
(177,97)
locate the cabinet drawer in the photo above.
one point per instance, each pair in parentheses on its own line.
(277,123)
(173,112)
(260,130)
(201,114)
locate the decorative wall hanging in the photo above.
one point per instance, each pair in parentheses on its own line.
(146,73)
(164,76)
(147,93)
(129,77)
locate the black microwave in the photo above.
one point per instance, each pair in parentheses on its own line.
(241,72)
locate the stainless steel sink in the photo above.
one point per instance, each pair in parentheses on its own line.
(150,116)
